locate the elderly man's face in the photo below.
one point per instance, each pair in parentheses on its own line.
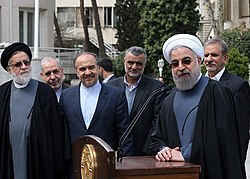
(134,66)
(87,69)
(52,74)
(19,67)
(185,68)
(214,60)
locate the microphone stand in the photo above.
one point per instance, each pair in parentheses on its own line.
(133,122)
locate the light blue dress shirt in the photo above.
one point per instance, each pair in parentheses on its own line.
(89,98)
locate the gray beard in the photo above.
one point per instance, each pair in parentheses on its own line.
(189,82)
(21,79)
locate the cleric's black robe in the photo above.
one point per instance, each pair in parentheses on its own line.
(215,143)
(48,145)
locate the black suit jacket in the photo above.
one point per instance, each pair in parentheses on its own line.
(241,93)
(142,130)
(110,119)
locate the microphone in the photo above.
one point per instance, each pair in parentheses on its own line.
(134,121)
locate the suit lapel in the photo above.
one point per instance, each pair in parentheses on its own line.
(121,84)
(225,77)
(77,106)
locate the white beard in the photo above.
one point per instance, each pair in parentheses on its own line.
(187,83)
(22,79)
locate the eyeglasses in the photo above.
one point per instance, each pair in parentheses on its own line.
(19,64)
(175,63)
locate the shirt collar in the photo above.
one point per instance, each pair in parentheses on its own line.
(133,86)
(96,86)
(107,79)
(217,76)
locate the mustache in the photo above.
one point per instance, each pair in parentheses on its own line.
(88,76)
(183,72)
(132,70)
(210,63)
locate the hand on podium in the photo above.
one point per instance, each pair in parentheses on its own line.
(168,154)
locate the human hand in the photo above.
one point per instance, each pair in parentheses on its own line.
(168,154)
(164,155)
(177,155)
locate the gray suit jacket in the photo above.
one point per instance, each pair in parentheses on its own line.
(110,119)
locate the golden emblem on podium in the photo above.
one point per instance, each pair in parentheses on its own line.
(88,162)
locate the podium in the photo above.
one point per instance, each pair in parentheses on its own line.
(93,158)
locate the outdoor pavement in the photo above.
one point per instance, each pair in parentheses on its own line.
(248,163)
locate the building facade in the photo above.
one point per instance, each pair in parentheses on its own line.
(17,22)
(235,13)
(69,19)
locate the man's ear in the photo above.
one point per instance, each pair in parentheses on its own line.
(226,58)
(8,70)
(199,60)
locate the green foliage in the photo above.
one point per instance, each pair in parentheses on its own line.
(128,31)
(161,19)
(149,23)
(238,38)
(238,41)
(118,63)
(238,63)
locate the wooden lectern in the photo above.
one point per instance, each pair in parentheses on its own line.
(93,158)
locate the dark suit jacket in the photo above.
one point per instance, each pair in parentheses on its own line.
(241,93)
(65,85)
(112,78)
(142,130)
(110,119)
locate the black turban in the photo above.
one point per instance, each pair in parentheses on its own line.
(8,52)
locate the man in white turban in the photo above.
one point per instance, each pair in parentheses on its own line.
(186,40)
(197,119)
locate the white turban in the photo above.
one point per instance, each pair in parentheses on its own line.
(186,40)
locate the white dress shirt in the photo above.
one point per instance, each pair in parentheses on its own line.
(217,76)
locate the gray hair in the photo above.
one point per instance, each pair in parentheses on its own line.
(222,43)
(47,59)
(136,51)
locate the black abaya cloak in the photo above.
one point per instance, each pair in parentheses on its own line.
(215,143)
(48,144)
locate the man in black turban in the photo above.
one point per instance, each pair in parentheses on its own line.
(33,136)
(11,49)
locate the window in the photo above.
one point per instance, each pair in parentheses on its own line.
(89,15)
(107,16)
(26,27)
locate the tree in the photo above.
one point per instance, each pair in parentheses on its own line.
(161,19)
(217,26)
(128,31)
(85,27)
(58,32)
(238,38)
(102,53)
(238,63)
(208,5)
